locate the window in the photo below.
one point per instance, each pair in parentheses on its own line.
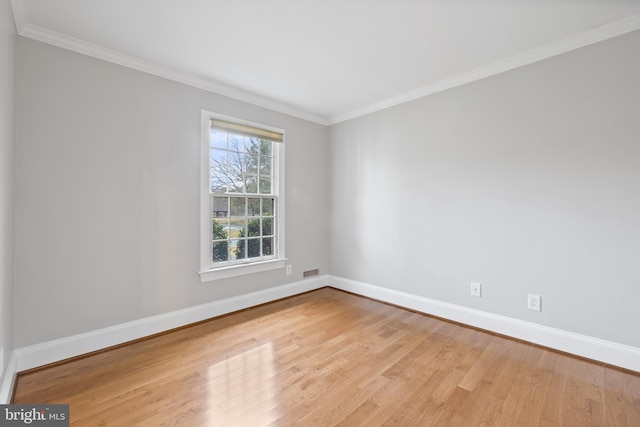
(242,212)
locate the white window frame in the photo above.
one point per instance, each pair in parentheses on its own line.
(209,271)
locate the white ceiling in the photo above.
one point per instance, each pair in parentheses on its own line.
(324,60)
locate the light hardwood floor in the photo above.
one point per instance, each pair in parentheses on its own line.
(330,358)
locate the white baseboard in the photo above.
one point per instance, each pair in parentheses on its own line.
(76,345)
(604,351)
(6,385)
(56,350)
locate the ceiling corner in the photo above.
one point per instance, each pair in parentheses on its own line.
(20,14)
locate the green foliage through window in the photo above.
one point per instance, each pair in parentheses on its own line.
(220,248)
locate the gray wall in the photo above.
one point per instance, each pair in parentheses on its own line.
(107,195)
(528,182)
(7,139)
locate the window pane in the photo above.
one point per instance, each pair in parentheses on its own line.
(237,250)
(242,161)
(220,251)
(235,172)
(218,139)
(218,170)
(251,184)
(267,226)
(267,244)
(265,165)
(253,207)
(238,207)
(236,142)
(265,147)
(253,227)
(251,164)
(252,145)
(220,206)
(253,246)
(237,228)
(265,185)
(267,207)
(220,229)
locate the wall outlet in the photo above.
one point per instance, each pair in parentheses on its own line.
(533,302)
(288,270)
(476,289)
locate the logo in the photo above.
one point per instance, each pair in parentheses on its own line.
(34,415)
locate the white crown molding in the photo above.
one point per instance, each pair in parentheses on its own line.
(596,35)
(76,345)
(80,46)
(44,35)
(20,15)
(612,353)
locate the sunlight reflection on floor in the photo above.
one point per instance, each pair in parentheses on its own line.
(243,386)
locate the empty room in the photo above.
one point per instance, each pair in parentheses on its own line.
(254,213)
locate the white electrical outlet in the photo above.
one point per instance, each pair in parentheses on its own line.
(476,289)
(533,302)
(289,270)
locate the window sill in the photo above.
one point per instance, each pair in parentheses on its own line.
(241,269)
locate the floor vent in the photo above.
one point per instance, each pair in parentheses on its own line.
(311,273)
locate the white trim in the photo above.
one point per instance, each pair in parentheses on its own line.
(80,46)
(9,378)
(44,35)
(612,353)
(596,35)
(56,350)
(207,271)
(205,203)
(280,179)
(240,269)
(20,14)
(76,345)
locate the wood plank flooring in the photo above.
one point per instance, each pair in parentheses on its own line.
(329,358)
